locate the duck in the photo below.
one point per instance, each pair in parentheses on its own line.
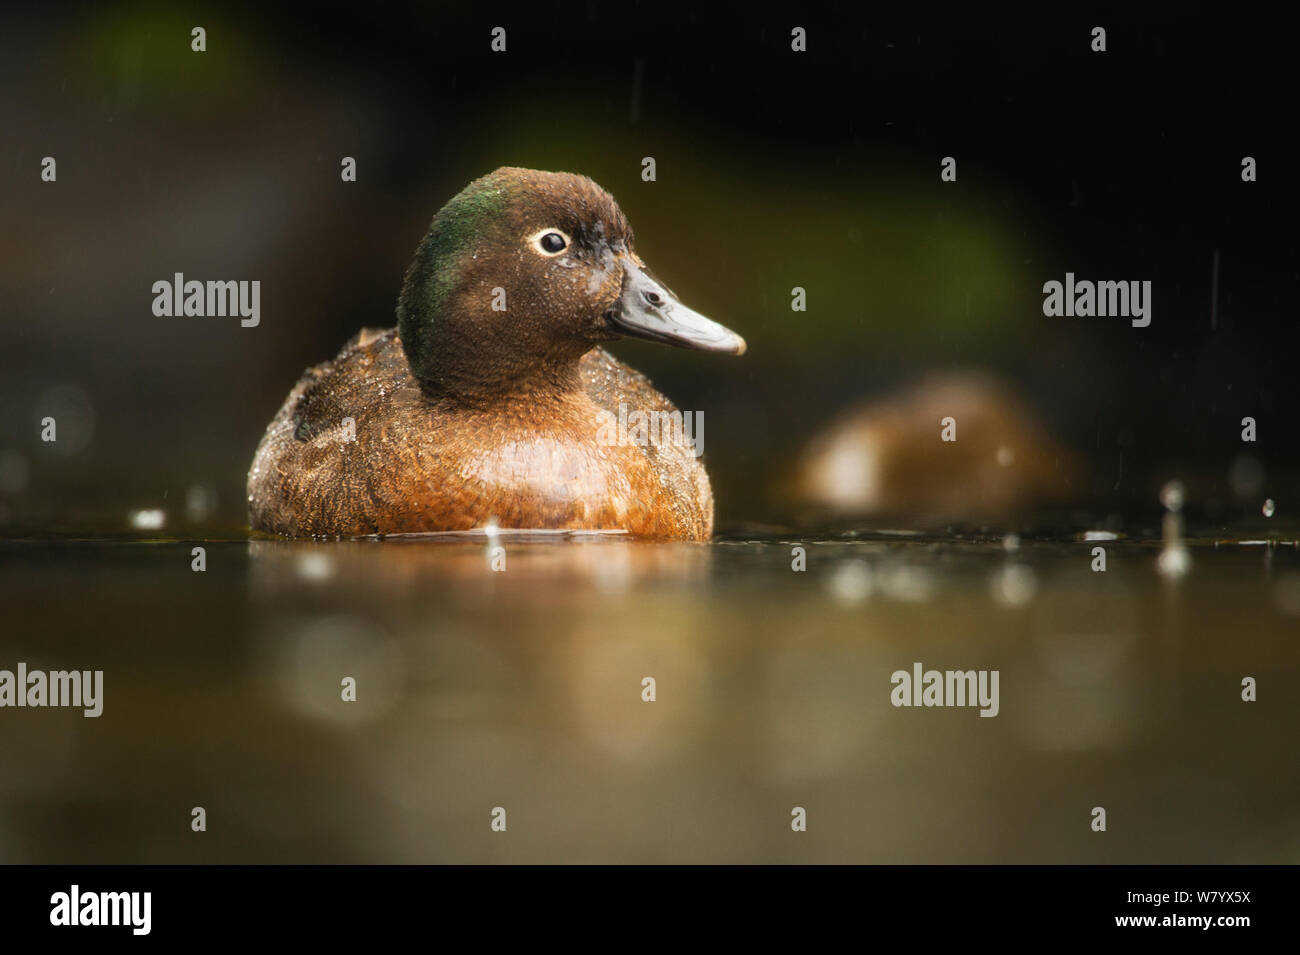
(956,447)
(487,405)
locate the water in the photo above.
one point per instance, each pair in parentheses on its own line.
(522,689)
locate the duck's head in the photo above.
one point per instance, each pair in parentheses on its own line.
(521,274)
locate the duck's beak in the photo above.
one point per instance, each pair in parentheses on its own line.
(647,310)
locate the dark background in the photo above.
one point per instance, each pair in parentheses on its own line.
(775,169)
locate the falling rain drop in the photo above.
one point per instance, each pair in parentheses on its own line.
(1172,496)
(1175,560)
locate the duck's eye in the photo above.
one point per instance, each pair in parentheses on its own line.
(549,241)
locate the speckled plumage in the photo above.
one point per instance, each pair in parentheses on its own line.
(422,463)
(500,423)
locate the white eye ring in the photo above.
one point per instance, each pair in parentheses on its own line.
(535,240)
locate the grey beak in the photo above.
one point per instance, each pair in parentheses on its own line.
(648,310)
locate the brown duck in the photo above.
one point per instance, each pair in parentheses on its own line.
(490,402)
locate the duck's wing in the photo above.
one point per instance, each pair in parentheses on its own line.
(310,470)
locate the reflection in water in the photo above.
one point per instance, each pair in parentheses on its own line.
(851,582)
(1287,594)
(608,562)
(1014,585)
(1084,625)
(309,661)
(631,701)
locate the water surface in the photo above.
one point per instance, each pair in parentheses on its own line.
(522,689)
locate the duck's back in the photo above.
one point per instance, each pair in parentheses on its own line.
(359,448)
